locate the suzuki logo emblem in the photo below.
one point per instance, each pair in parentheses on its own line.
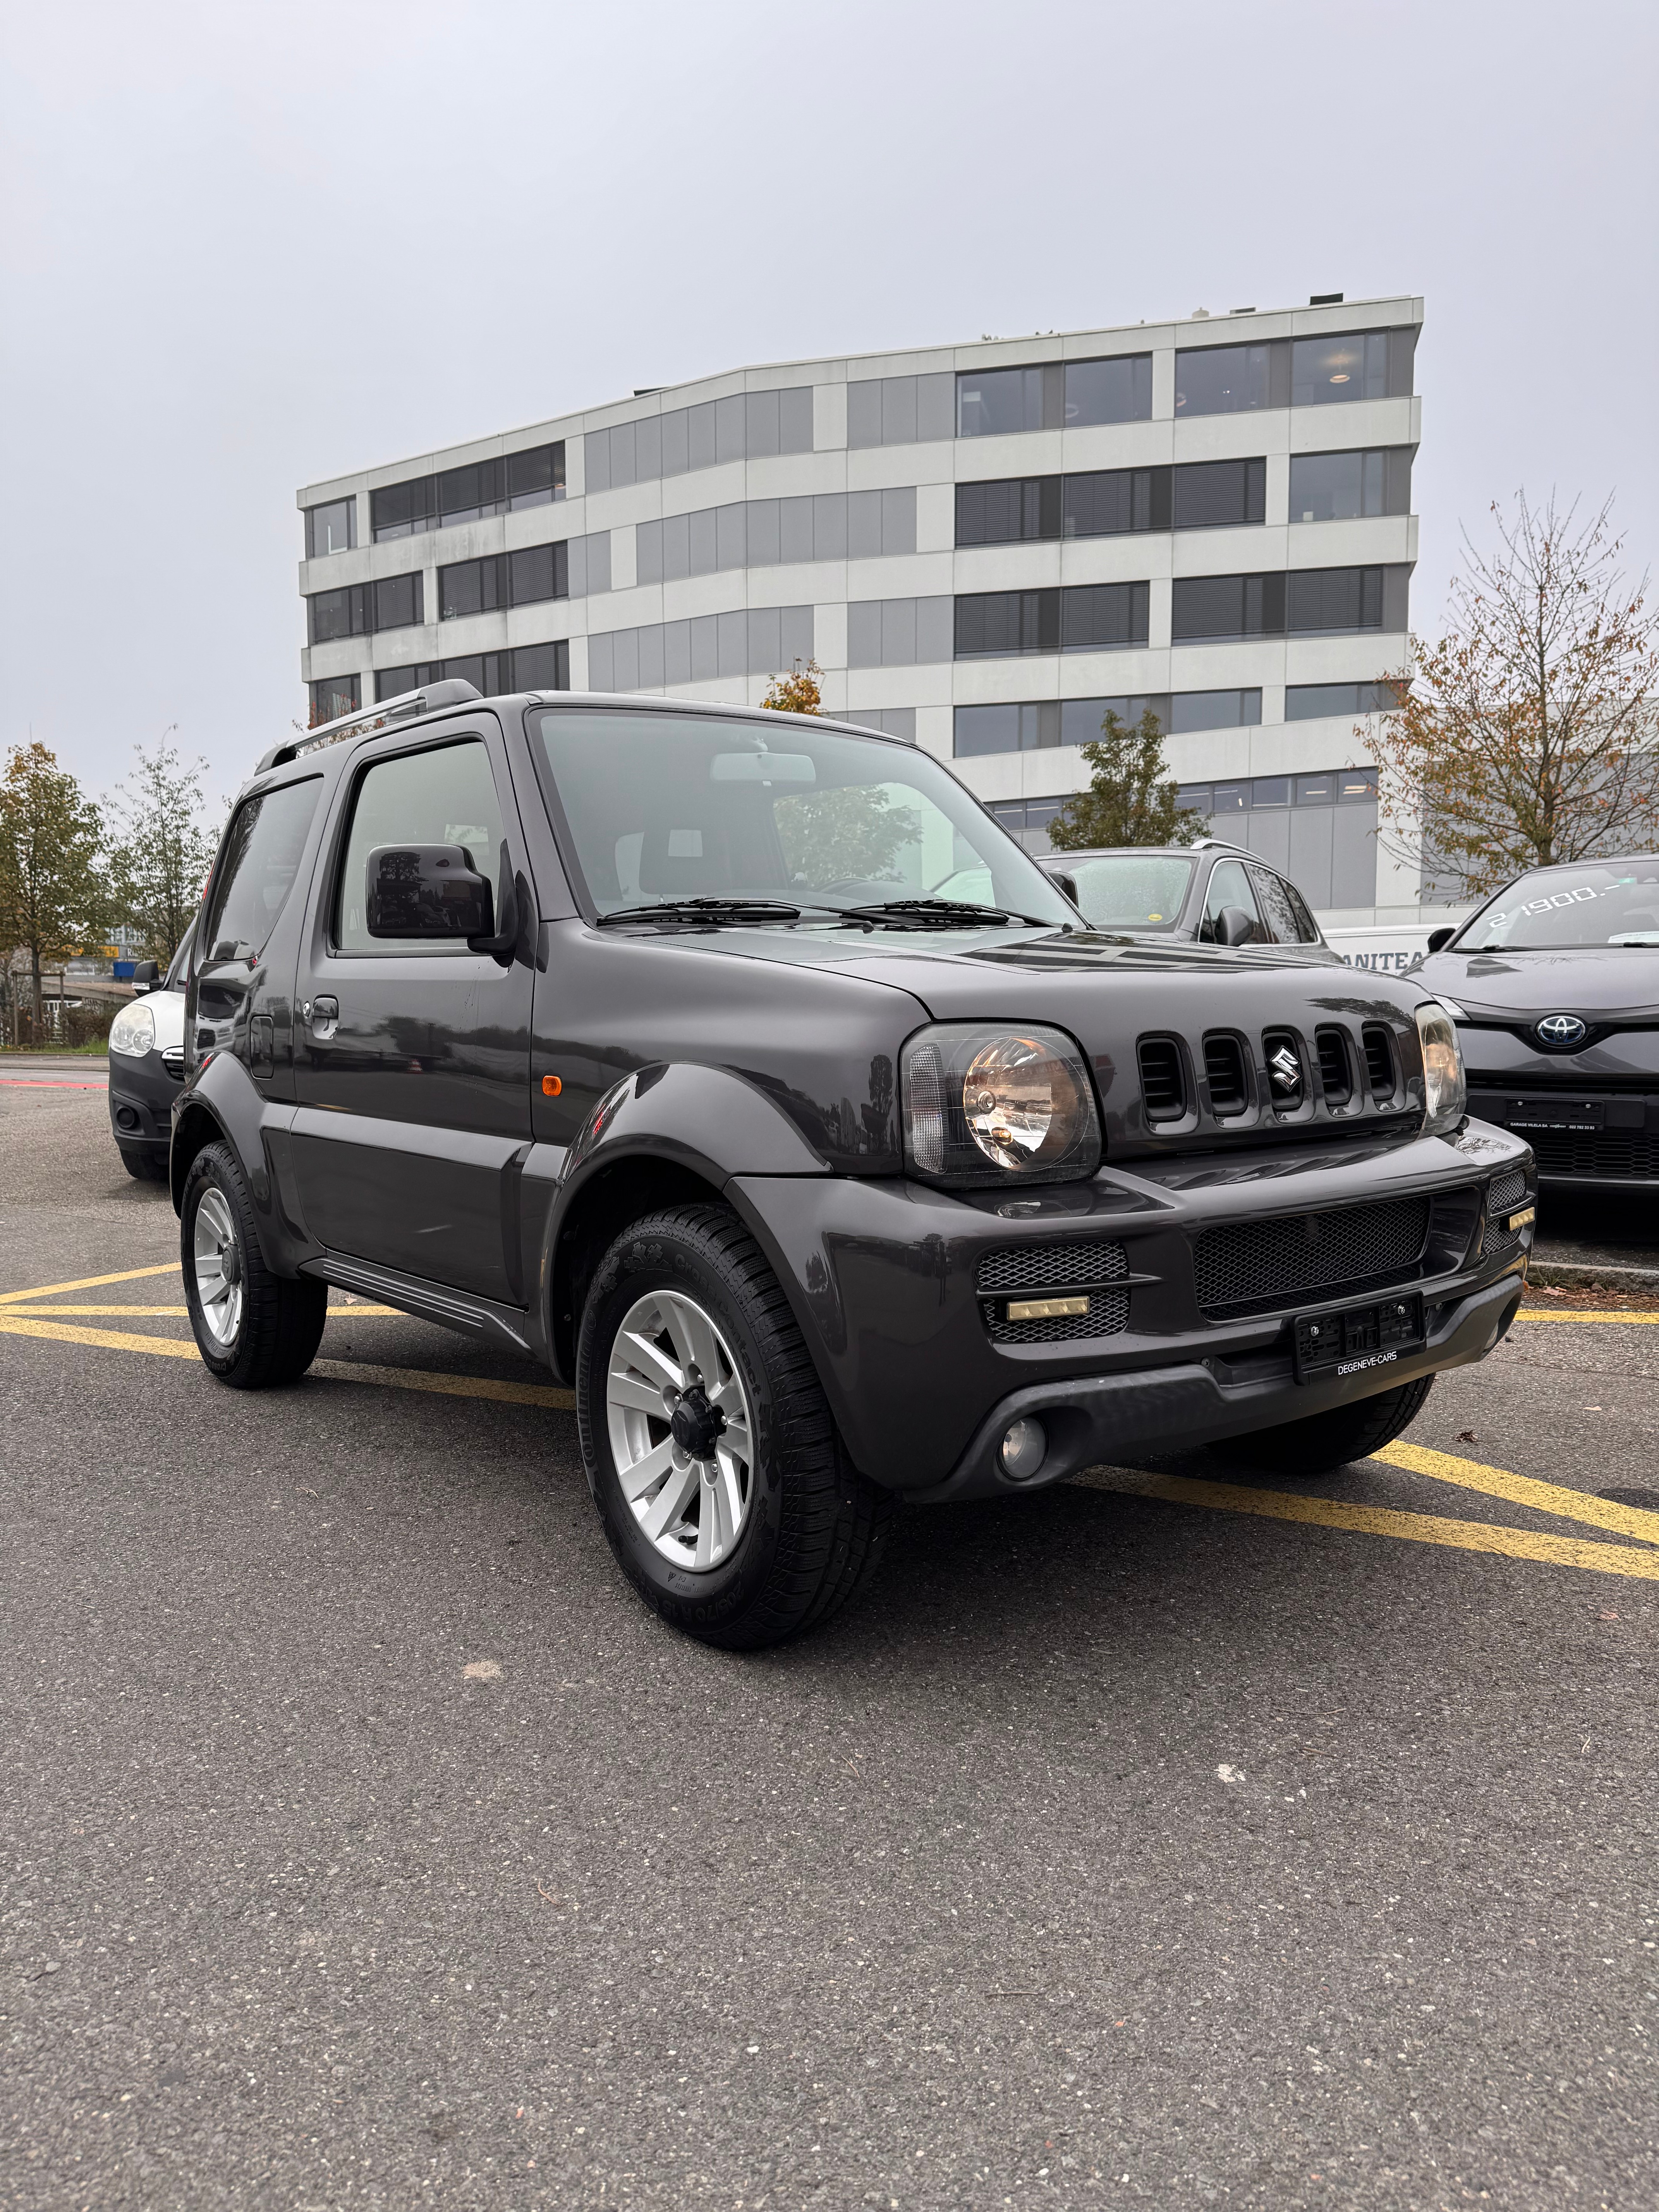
(1561,1029)
(1286,1069)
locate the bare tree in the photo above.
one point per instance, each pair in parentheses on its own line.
(1525,736)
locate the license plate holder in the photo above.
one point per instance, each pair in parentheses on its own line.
(1576,1115)
(1354,1340)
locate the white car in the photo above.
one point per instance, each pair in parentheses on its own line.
(147,1066)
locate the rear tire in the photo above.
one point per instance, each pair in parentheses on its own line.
(1325,1441)
(742,1524)
(141,1166)
(254,1329)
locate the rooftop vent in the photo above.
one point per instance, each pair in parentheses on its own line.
(1324,298)
(1241,311)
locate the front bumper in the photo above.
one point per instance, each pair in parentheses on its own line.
(884,1279)
(141,1096)
(1591,1135)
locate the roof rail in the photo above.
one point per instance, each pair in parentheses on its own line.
(361,722)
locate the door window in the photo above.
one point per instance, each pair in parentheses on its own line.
(1228,886)
(444,795)
(1272,897)
(1307,928)
(257,869)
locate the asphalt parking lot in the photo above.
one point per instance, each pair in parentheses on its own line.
(1163,1839)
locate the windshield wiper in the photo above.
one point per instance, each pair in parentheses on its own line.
(709,911)
(936,914)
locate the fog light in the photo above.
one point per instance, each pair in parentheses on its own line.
(126,1117)
(1022,1450)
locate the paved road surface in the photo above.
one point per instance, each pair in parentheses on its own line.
(1120,1849)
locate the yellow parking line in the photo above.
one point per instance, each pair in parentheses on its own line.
(332,1370)
(1379,1520)
(88,1283)
(1521,1490)
(1568,1313)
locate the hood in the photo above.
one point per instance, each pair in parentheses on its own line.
(1598,982)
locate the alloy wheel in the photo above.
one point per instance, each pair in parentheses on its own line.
(681,1431)
(220,1273)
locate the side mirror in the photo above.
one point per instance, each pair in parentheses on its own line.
(426,890)
(1234,926)
(146,975)
(1437,938)
(1068,883)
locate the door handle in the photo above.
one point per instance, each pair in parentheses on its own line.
(323,1014)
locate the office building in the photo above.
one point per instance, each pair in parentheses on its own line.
(982,546)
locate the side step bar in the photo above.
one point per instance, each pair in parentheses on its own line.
(450,1309)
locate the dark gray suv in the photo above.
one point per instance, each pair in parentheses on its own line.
(739,1068)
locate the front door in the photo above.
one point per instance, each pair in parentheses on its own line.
(412,1058)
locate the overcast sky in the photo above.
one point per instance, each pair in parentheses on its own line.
(249,244)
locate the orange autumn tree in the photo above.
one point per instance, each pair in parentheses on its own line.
(797,692)
(1525,736)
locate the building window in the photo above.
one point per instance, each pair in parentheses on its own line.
(331,529)
(899,410)
(748,641)
(891,721)
(359,609)
(1028,819)
(569,569)
(1347,786)
(1054,395)
(528,668)
(1232,379)
(1352,365)
(1306,702)
(747,426)
(1212,495)
(763,533)
(1084,617)
(1009,511)
(1340,486)
(1035,724)
(468,494)
(898,633)
(334,695)
(1299,602)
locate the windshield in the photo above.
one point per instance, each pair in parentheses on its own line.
(1131,890)
(1601,903)
(666,806)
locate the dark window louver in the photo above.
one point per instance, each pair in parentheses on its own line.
(1379,1061)
(1333,1067)
(1223,1067)
(1163,1087)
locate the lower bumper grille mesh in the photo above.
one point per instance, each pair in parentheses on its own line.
(1054,1270)
(1254,1266)
(1620,1155)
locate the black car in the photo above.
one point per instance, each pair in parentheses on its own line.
(1210,893)
(740,1068)
(1554,985)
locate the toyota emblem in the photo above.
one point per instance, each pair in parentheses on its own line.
(1561,1029)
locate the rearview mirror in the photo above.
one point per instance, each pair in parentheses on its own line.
(426,890)
(1439,937)
(763,768)
(1234,926)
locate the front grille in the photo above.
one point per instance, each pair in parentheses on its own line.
(1162,1080)
(173,1060)
(1620,1154)
(1084,1269)
(1252,1267)
(1379,1060)
(1333,1067)
(1224,1071)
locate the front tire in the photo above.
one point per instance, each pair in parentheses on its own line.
(722,1483)
(1335,1439)
(254,1329)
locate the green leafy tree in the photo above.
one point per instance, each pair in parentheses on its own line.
(158,866)
(852,835)
(54,893)
(1132,798)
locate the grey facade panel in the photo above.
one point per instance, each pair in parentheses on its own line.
(864,412)
(864,634)
(1353,856)
(935,627)
(1309,866)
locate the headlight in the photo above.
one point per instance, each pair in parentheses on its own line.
(1445,1094)
(986,1105)
(133,1031)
